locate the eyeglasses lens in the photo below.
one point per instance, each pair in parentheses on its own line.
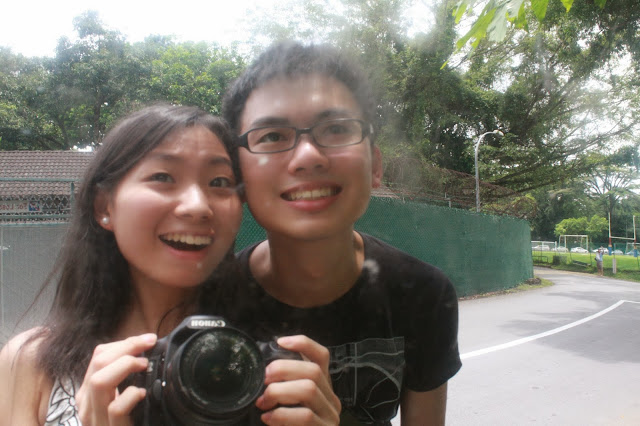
(332,133)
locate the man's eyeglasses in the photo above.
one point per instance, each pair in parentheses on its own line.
(328,134)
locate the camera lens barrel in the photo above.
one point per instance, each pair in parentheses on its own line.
(204,372)
(216,373)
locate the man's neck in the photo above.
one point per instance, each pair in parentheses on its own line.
(308,273)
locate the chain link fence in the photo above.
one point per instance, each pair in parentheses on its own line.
(412,179)
(29,200)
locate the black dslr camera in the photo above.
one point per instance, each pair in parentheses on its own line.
(205,372)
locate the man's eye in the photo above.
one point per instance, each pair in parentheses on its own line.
(272,136)
(161,177)
(221,182)
(337,129)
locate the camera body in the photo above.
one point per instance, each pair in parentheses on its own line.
(205,372)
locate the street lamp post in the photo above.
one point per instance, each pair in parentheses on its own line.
(495,132)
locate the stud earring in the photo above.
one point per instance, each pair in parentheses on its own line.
(105,220)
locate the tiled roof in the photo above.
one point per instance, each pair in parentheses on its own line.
(57,167)
(61,166)
(44,164)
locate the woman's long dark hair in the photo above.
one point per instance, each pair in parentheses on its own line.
(94,289)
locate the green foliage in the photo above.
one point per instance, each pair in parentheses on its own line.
(595,227)
(193,74)
(572,226)
(564,92)
(493,20)
(73,98)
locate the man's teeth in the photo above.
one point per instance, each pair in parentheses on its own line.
(310,195)
(188,239)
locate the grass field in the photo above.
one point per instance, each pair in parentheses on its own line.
(628,267)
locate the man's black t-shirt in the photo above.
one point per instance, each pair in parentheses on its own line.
(395,329)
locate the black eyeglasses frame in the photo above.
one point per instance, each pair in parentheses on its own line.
(243,139)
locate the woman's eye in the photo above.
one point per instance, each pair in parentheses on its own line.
(161,177)
(221,182)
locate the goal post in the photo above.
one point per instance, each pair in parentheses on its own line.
(630,243)
(571,242)
(631,248)
(543,245)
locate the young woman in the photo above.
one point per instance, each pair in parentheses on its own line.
(304,116)
(151,241)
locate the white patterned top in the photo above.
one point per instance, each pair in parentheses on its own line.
(62,405)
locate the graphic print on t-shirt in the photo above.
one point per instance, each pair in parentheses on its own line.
(368,375)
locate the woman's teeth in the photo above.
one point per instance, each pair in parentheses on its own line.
(184,241)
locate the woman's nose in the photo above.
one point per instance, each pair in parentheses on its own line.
(194,203)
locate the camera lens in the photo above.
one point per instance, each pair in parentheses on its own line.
(221,370)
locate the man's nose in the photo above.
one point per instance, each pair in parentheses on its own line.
(307,155)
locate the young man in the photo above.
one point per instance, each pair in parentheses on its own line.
(304,117)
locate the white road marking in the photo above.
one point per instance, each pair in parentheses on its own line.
(540,335)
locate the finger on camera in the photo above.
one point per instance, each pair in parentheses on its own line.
(113,374)
(293,416)
(104,354)
(290,370)
(308,348)
(122,406)
(286,369)
(299,392)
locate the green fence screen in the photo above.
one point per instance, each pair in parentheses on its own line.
(480,253)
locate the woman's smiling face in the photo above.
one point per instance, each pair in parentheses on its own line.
(176,213)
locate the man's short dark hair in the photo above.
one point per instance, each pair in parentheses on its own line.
(292,59)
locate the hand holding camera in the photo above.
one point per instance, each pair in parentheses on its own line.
(205,372)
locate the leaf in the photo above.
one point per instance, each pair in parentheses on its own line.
(521,21)
(539,7)
(479,29)
(458,11)
(497,28)
(568,3)
(600,3)
(516,13)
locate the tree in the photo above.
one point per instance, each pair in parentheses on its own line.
(613,180)
(493,20)
(194,74)
(572,226)
(71,99)
(91,81)
(23,125)
(563,200)
(596,227)
(563,91)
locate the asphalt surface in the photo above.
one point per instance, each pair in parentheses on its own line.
(568,354)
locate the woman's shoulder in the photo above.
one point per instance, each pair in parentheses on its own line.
(25,387)
(21,349)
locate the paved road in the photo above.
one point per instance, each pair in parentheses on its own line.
(562,355)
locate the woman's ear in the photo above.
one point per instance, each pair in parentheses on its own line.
(102,210)
(376,167)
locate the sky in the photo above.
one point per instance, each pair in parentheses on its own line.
(33,28)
